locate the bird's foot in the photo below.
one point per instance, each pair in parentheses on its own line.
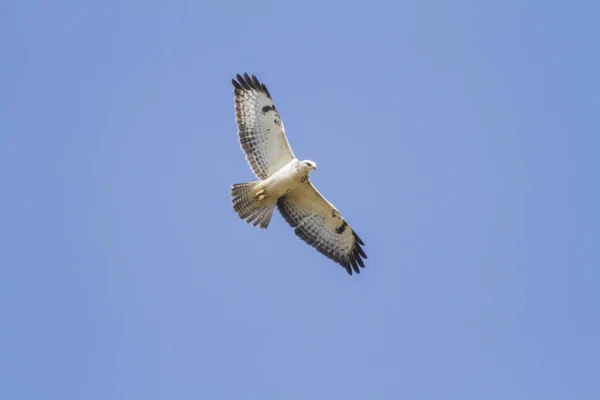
(260,195)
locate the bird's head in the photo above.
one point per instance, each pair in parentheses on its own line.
(309,165)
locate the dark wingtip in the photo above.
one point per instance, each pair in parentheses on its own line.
(357,238)
(247,82)
(354,264)
(239,82)
(256,81)
(346,265)
(359,250)
(264,88)
(359,260)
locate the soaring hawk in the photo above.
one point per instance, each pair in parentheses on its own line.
(284,181)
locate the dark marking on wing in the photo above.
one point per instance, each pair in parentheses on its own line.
(351,259)
(339,230)
(266,109)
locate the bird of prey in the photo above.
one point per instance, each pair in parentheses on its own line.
(284,181)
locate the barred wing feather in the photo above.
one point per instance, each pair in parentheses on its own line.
(319,223)
(260,129)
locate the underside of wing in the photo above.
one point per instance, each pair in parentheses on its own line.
(319,223)
(260,129)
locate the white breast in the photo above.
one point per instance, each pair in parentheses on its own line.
(284,180)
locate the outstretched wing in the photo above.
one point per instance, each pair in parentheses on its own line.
(320,224)
(260,128)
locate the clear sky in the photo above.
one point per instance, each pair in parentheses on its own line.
(459,139)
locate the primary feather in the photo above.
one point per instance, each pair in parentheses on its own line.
(260,128)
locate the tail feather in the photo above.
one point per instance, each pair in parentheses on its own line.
(248,208)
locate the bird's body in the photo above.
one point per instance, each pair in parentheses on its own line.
(284,181)
(288,178)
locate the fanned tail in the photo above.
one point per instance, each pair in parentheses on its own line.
(248,208)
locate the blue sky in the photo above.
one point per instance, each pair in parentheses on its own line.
(459,139)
